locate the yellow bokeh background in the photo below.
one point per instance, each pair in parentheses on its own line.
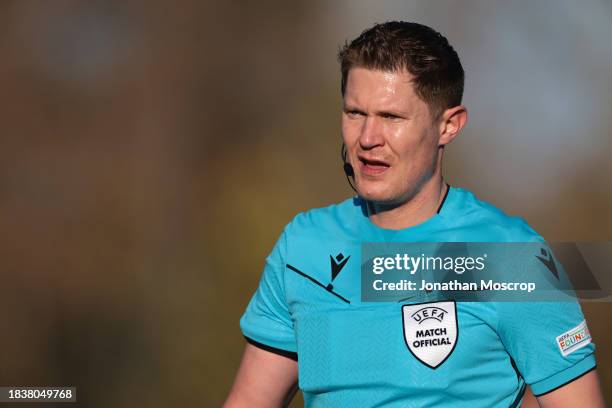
(152,152)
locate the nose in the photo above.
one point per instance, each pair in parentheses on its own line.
(371,134)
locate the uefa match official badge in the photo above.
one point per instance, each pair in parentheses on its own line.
(431,331)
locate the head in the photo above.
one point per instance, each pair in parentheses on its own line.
(402,85)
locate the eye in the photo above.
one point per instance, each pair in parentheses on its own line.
(354,114)
(387,115)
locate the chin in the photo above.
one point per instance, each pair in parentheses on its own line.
(378,195)
(384,194)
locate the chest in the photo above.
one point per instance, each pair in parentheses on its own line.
(400,348)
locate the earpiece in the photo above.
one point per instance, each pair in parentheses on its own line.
(349,172)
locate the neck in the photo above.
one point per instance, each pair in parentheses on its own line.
(417,209)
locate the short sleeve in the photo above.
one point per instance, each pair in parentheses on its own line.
(267,321)
(549,341)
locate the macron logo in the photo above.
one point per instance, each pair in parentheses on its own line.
(547,259)
(337,264)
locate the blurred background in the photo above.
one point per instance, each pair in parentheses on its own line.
(152,152)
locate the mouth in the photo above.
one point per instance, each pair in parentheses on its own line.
(372,167)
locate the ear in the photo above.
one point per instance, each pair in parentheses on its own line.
(451,123)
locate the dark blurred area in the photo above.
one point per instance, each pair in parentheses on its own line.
(152,152)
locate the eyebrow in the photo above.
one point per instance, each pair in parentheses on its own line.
(349,108)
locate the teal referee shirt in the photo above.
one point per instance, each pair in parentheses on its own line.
(355,354)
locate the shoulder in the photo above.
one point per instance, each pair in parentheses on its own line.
(490,220)
(340,218)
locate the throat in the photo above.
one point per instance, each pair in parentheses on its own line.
(417,210)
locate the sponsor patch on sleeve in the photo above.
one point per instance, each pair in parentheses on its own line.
(574,339)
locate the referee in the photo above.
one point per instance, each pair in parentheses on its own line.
(402,86)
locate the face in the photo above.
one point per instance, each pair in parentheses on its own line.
(389,134)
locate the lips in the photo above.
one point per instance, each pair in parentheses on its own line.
(371,166)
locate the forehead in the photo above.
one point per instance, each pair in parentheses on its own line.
(393,89)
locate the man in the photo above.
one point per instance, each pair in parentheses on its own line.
(402,85)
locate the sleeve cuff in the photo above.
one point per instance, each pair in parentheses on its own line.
(268,333)
(564,377)
(285,353)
